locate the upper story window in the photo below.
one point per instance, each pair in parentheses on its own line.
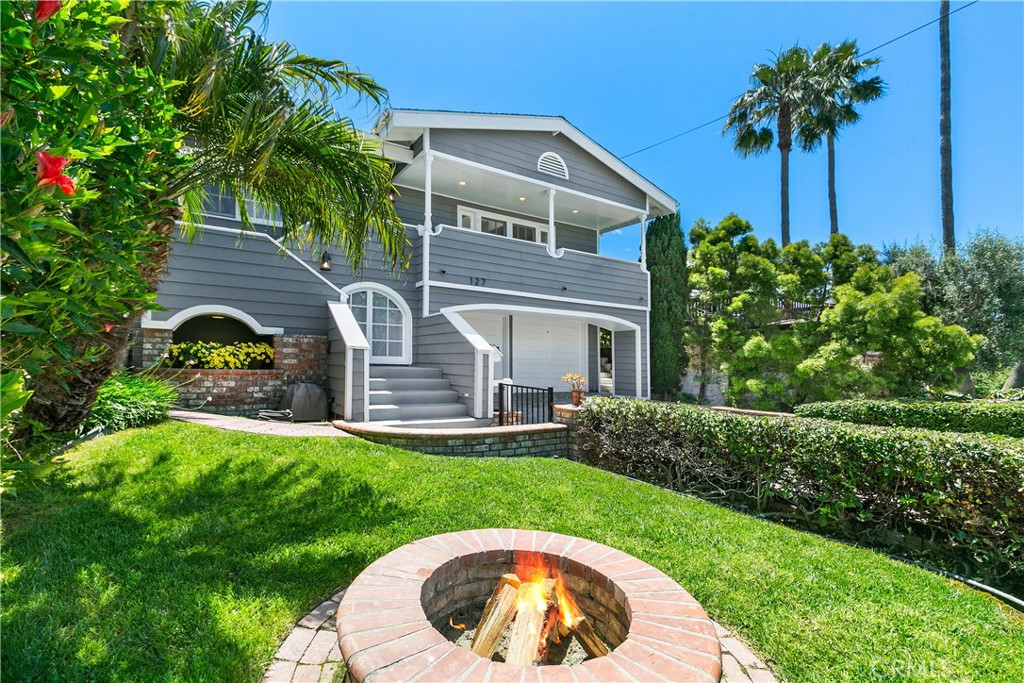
(503,226)
(220,202)
(553,164)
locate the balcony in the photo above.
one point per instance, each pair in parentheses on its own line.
(474,261)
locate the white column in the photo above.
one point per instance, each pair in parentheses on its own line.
(643,241)
(428,218)
(551,221)
(428,186)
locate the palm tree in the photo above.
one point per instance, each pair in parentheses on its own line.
(838,86)
(945,139)
(257,120)
(778,94)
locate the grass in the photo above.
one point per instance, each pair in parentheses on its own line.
(178,552)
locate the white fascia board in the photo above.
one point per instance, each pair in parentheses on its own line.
(404,118)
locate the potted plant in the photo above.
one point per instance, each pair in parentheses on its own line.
(577,382)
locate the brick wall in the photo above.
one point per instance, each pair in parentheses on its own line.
(548,440)
(567,415)
(297,358)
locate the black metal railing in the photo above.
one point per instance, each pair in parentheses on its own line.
(518,405)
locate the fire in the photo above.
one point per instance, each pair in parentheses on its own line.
(461,627)
(533,570)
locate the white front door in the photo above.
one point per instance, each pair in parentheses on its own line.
(385,325)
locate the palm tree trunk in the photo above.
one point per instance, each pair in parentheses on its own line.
(945,141)
(833,213)
(785,144)
(62,406)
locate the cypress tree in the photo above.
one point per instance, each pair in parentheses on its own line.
(666,260)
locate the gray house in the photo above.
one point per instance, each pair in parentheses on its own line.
(504,215)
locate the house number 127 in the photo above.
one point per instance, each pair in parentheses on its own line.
(478,281)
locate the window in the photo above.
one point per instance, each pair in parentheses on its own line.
(219,201)
(384,323)
(503,226)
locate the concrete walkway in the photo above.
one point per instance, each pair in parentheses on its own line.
(311,653)
(245,424)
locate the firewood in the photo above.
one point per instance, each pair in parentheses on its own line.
(588,638)
(500,610)
(505,580)
(524,643)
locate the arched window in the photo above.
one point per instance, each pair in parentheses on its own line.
(385,319)
(552,164)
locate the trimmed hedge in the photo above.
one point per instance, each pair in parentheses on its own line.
(952,498)
(945,416)
(128,400)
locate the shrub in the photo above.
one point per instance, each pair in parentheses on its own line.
(958,498)
(946,416)
(215,356)
(130,400)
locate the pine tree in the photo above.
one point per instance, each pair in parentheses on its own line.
(666,260)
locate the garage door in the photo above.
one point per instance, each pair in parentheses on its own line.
(544,349)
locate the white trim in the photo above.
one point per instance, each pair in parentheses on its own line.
(347,414)
(428,219)
(531,295)
(555,312)
(639,374)
(404,118)
(178,318)
(534,181)
(273,223)
(481,348)
(277,243)
(347,326)
(406,357)
(366,386)
(475,216)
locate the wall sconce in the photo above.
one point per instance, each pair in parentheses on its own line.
(392,196)
(325,261)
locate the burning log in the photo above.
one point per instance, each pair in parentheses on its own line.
(498,614)
(594,646)
(528,639)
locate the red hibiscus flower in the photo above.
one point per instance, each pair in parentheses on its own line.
(47,8)
(48,172)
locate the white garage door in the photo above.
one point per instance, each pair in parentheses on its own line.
(544,349)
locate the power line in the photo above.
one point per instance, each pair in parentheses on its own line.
(874,49)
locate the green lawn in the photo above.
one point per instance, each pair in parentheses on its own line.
(181,553)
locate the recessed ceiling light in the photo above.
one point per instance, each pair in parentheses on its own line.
(522,199)
(217,317)
(462,183)
(575,211)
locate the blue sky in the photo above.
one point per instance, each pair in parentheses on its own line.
(631,74)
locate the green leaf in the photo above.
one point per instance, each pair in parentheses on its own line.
(59,90)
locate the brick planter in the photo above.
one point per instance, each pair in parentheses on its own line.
(539,440)
(297,358)
(388,616)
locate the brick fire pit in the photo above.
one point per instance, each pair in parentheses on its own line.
(388,620)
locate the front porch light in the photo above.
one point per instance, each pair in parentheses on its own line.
(325,261)
(462,183)
(575,211)
(522,199)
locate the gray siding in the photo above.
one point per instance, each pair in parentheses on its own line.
(250,273)
(624,361)
(438,344)
(359,380)
(518,151)
(444,211)
(470,258)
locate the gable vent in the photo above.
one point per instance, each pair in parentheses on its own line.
(552,164)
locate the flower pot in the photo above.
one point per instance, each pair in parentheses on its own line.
(577,396)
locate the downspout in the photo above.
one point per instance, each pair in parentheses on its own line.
(643,267)
(551,223)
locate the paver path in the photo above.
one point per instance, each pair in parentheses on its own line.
(310,652)
(245,424)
